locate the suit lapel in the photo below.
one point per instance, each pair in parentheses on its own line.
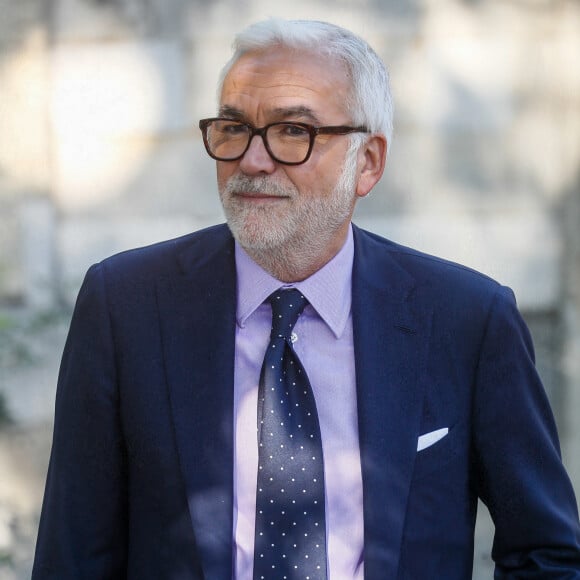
(197,311)
(390,335)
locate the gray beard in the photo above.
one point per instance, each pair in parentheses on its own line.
(288,241)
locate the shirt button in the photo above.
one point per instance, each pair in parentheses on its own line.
(293,337)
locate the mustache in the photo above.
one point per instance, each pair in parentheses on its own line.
(259,185)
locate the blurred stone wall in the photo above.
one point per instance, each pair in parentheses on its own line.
(99,152)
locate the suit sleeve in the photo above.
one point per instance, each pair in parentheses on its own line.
(520,475)
(82,531)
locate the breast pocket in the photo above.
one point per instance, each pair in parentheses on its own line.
(438,454)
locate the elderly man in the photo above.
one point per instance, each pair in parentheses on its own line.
(288,396)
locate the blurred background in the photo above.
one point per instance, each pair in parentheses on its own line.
(99,152)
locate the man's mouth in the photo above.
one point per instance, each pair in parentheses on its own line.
(254,196)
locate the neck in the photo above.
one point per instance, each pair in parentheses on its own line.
(284,267)
(294,262)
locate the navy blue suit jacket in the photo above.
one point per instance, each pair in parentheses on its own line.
(140,482)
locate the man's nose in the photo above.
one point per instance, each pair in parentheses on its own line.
(256,159)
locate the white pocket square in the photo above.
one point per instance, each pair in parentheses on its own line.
(429,439)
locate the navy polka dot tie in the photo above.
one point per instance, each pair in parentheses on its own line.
(290,542)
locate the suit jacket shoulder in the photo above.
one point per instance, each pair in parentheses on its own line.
(423,268)
(181,254)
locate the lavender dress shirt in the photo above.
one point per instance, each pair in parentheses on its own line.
(324,343)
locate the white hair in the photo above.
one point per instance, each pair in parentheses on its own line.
(370,103)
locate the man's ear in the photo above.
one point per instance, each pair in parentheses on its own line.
(372,158)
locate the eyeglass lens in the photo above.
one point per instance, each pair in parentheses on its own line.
(287,142)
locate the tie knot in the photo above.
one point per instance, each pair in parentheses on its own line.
(286,308)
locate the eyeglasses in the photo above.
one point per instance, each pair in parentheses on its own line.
(287,143)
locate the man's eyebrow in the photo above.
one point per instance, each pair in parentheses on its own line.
(298,113)
(231,113)
(301,112)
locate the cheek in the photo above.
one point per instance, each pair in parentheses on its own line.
(223,172)
(319,184)
(323,175)
(310,179)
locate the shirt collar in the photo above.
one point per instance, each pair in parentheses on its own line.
(328,290)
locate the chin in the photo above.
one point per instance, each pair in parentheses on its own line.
(254,235)
(258,232)
(257,241)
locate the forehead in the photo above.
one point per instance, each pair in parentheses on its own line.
(263,83)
